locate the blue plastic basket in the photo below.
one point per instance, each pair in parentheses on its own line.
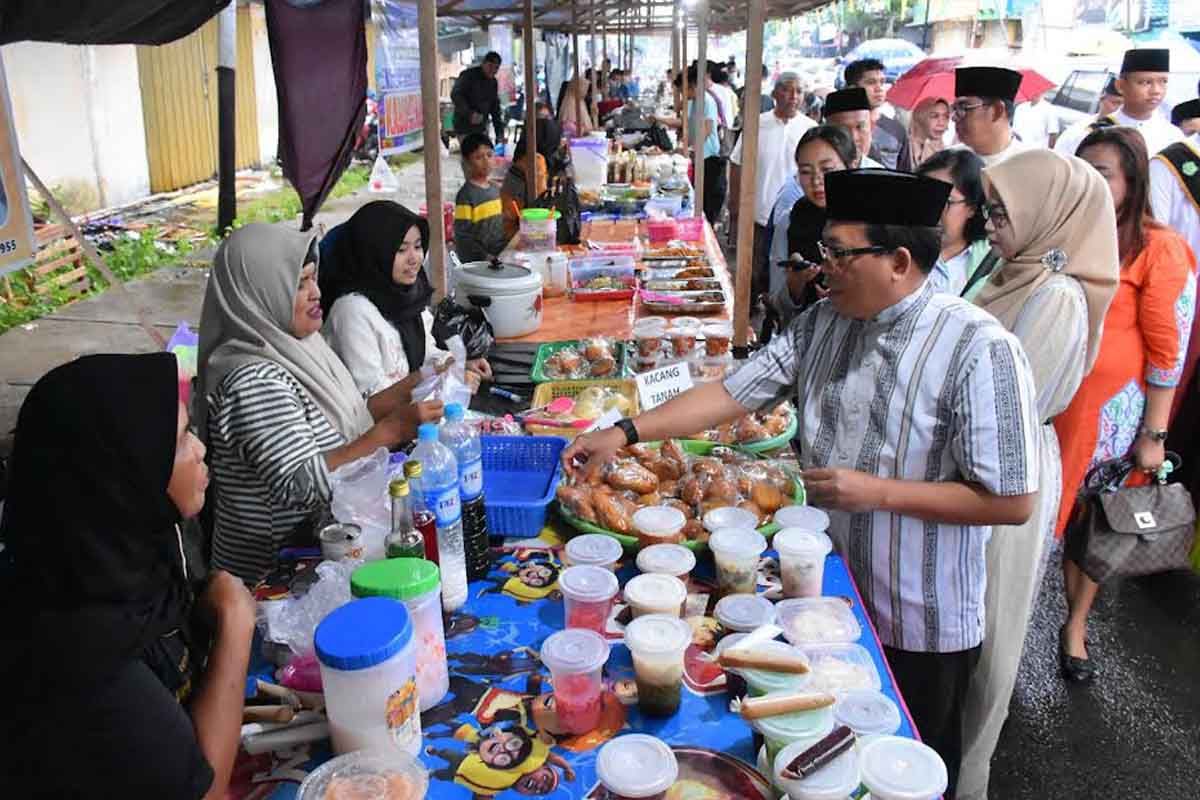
(520,476)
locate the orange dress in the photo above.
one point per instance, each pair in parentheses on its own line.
(1144,342)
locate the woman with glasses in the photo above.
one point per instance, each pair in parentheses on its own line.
(1123,406)
(1051,219)
(964,238)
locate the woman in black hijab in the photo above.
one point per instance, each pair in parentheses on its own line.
(105,644)
(374,292)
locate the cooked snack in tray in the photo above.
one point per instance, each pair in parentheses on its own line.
(647,475)
(752,427)
(674,251)
(694,272)
(591,358)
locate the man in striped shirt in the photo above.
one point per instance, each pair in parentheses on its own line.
(916,432)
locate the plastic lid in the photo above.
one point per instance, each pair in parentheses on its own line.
(835,781)
(817,620)
(867,712)
(787,728)
(588,583)
(428,432)
(895,768)
(841,668)
(366,773)
(800,541)
(730,517)
(652,589)
(686,322)
(807,517)
(658,633)
(637,765)
(743,542)
(659,520)
(666,559)
(398,488)
(595,549)
(536,214)
(363,633)
(454,412)
(744,612)
(575,650)
(398,578)
(412,468)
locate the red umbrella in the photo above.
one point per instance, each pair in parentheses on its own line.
(934,77)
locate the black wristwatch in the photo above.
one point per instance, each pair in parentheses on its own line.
(631,432)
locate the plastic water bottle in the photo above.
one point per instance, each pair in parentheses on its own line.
(463,440)
(439,485)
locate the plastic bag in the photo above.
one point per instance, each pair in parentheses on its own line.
(360,497)
(383,180)
(563,197)
(294,622)
(450,319)
(448,383)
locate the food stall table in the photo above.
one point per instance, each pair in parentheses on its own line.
(498,682)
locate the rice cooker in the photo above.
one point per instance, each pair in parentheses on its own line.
(509,294)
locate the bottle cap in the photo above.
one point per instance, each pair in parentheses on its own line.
(398,488)
(412,469)
(428,432)
(454,412)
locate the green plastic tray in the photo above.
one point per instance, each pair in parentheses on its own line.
(538,373)
(704,447)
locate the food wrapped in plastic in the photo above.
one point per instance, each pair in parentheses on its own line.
(394,775)
(566,364)
(629,474)
(594,401)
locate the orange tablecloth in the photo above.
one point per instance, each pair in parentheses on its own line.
(563,318)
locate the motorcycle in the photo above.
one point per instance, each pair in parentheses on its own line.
(366,142)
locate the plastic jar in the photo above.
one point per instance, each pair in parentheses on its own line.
(742,613)
(368,671)
(835,781)
(868,713)
(780,731)
(637,766)
(807,517)
(718,337)
(588,593)
(802,561)
(380,776)
(667,559)
(575,658)
(593,549)
(659,525)
(415,582)
(895,768)
(736,552)
(651,593)
(657,643)
(539,229)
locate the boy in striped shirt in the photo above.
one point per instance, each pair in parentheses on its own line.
(478,223)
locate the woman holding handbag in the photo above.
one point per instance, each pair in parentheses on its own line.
(1123,406)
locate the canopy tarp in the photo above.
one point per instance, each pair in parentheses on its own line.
(108,22)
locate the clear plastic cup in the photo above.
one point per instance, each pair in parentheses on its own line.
(760,682)
(802,561)
(575,658)
(736,552)
(781,730)
(835,781)
(742,613)
(649,337)
(807,517)
(588,593)
(718,336)
(594,549)
(659,525)
(895,768)
(729,517)
(867,712)
(655,594)
(667,559)
(657,643)
(683,341)
(636,766)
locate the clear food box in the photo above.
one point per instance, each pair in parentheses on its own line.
(818,620)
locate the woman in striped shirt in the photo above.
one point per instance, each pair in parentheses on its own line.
(281,411)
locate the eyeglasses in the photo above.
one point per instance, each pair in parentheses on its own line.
(959,202)
(835,255)
(996,213)
(960,110)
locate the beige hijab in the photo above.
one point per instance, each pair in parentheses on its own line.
(921,144)
(247,317)
(1061,210)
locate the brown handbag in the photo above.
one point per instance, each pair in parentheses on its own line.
(1124,531)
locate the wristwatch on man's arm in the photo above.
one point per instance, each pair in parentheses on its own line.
(630,430)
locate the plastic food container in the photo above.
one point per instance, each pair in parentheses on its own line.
(742,613)
(867,712)
(759,682)
(602,277)
(834,781)
(780,731)
(636,766)
(659,525)
(683,339)
(368,671)
(416,583)
(660,231)
(575,658)
(818,620)
(539,229)
(895,768)
(657,643)
(802,560)
(807,517)
(735,684)
(840,668)
(593,549)
(391,775)
(736,552)
(691,229)
(667,559)
(655,594)
(718,337)
(588,593)
(649,337)
(729,517)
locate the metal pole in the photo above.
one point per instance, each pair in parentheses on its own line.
(531,93)
(751,100)
(683,130)
(432,147)
(925,27)
(701,13)
(226,117)
(577,81)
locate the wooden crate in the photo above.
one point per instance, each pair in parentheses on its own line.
(60,264)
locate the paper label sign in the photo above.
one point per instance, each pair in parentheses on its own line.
(659,385)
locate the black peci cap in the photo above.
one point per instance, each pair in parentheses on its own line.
(1188,110)
(852,99)
(885,197)
(986,82)
(1110,88)
(1146,59)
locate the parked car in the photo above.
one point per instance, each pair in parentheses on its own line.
(1079,95)
(897,55)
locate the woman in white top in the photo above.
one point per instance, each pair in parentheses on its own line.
(964,239)
(375,292)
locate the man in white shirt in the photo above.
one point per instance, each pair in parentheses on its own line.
(983,112)
(1175,179)
(1143,86)
(1110,101)
(1035,122)
(779,131)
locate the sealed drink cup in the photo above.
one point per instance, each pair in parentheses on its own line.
(736,552)
(806,517)
(742,613)
(781,730)
(717,338)
(729,517)
(867,712)
(575,658)
(802,561)
(649,336)
(667,559)
(588,593)
(655,594)
(657,643)
(594,549)
(659,525)
(895,768)
(636,766)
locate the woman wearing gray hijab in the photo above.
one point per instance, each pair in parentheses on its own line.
(279,411)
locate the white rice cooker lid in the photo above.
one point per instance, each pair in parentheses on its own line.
(497,279)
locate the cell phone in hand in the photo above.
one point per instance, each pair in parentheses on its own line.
(797,266)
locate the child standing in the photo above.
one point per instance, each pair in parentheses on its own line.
(478,223)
